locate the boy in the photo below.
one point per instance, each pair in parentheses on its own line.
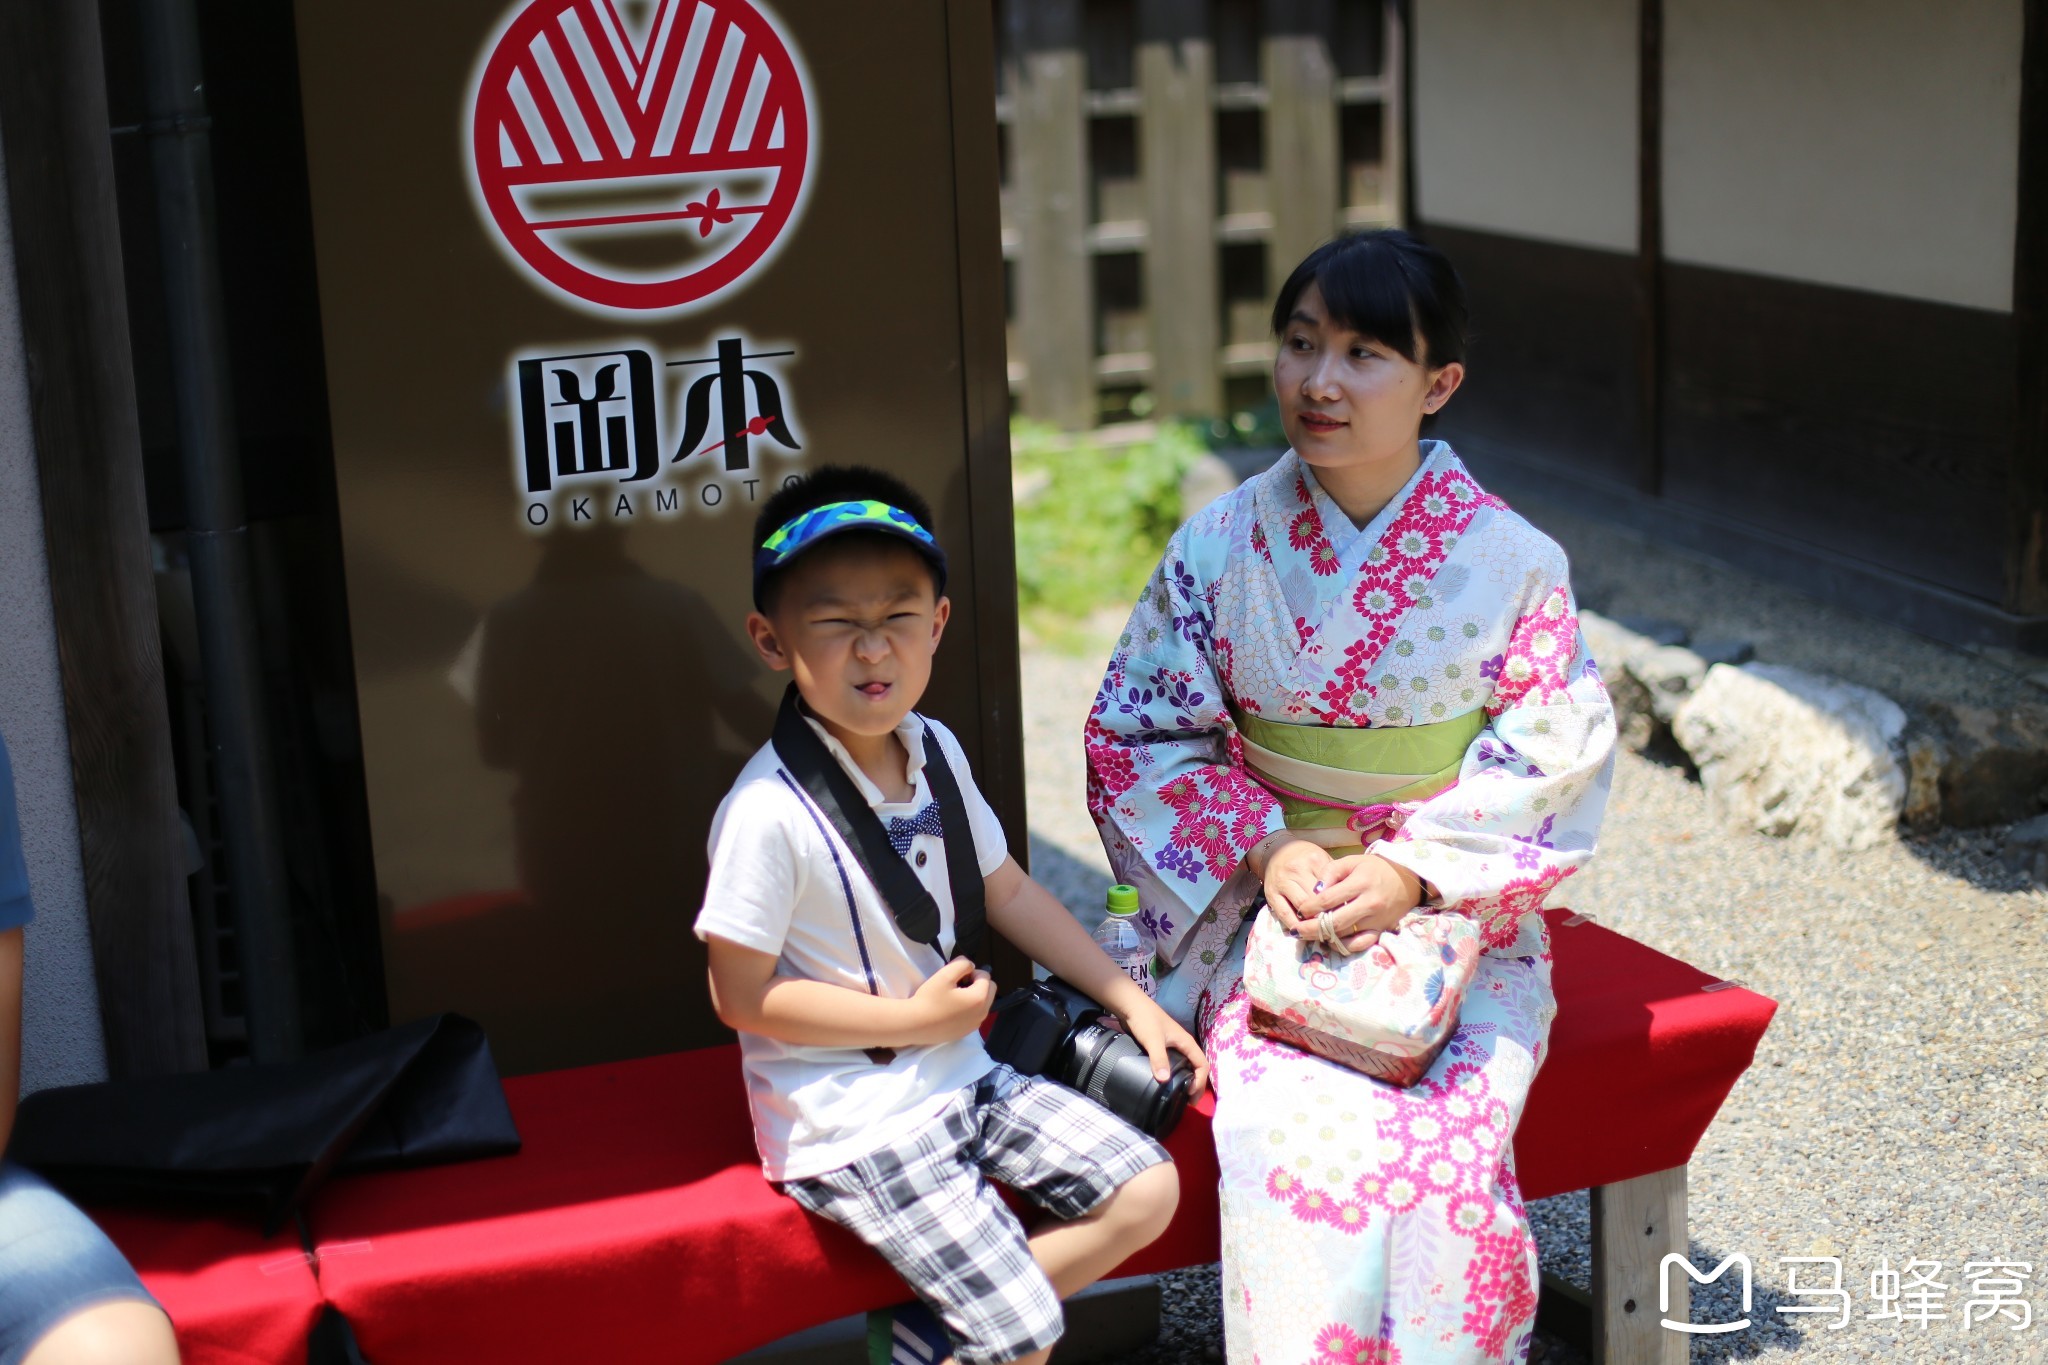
(874,1102)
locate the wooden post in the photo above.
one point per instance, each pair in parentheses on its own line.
(1636,1223)
(1302,148)
(1394,115)
(2027,564)
(1177,158)
(74,321)
(1049,156)
(1650,244)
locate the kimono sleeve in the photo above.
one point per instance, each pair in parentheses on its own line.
(1526,808)
(1166,780)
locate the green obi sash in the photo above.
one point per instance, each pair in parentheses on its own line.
(1323,775)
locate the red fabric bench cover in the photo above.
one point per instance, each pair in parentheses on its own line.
(234,1296)
(636,1225)
(1637,1043)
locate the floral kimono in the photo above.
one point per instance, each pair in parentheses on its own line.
(1361,1222)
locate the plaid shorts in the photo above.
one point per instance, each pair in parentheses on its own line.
(923,1203)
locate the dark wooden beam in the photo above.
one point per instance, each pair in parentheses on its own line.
(985,397)
(1402,19)
(2027,569)
(74,318)
(1650,242)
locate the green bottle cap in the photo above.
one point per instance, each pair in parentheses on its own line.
(1123,900)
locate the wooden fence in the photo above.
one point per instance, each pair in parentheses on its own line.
(1164,163)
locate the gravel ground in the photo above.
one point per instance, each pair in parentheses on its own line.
(1895,1110)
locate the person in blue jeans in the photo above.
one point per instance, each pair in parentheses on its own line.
(67,1296)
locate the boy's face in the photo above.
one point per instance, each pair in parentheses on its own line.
(857,623)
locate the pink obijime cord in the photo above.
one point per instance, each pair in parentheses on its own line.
(1369,823)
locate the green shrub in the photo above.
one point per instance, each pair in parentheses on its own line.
(1092,520)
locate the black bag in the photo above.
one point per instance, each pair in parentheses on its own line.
(267,1136)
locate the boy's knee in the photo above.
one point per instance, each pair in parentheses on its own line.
(1147,1201)
(118,1332)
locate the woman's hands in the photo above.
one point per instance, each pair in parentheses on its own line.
(1364,894)
(1294,872)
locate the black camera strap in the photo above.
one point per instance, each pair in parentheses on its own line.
(833,791)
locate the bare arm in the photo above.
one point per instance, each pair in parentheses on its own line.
(1029,916)
(751,998)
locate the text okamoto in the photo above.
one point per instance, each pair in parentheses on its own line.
(624,432)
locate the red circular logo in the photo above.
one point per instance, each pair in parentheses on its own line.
(639,158)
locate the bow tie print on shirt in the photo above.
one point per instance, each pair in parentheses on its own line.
(904,828)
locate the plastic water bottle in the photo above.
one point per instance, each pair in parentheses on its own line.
(1123,937)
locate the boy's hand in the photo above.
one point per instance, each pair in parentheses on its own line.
(1158,1031)
(954,1000)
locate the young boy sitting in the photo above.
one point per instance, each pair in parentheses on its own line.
(874,1103)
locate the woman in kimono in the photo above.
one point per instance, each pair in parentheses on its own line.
(1356,686)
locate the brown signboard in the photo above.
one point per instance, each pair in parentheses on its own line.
(596,276)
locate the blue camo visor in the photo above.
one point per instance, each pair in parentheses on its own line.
(800,533)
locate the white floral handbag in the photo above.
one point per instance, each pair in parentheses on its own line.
(1387,1011)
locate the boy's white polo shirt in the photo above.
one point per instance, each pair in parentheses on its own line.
(780,878)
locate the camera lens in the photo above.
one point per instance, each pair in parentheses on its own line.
(1111,1068)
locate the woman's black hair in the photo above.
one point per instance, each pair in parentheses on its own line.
(1388,286)
(836,483)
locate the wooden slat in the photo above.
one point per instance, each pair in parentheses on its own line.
(1636,1223)
(74,315)
(1177,158)
(1049,160)
(1302,146)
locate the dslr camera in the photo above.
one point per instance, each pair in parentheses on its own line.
(1051,1029)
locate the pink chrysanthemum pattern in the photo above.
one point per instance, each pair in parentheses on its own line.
(1398,572)
(1337,1344)
(1535,669)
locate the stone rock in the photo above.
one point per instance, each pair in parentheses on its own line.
(2029,833)
(1612,645)
(1655,629)
(1723,650)
(1670,674)
(2026,848)
(1993,762)
(1925,755)
(1784,751)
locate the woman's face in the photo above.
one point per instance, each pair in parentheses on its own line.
(1348,400)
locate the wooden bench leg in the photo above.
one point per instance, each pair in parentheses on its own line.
(1635,1224)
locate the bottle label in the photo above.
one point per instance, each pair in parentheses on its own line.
(1141,972)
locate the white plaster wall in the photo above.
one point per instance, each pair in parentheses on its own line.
(1872,144)
(1525,118)
(62,1043)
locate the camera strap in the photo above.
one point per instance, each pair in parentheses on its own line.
(832,790)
